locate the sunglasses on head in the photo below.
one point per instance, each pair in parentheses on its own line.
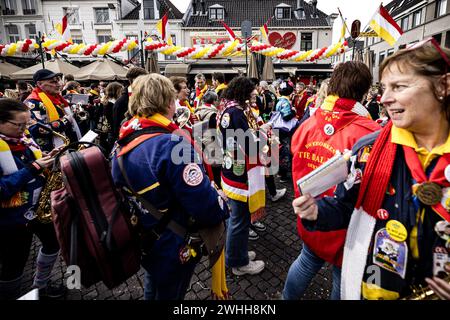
(434,43)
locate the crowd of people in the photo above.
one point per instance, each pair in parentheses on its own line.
(380,218)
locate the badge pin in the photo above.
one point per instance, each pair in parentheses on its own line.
(396,230)
(30,215)
(447,172)
(328,129)
(228,163)
(382,214)
(442,229)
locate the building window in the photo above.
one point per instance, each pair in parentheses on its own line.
(381,58)
(402,46)
(390,52)
(417,18)
(73,15)
(216,13)
(283,13)
(9,7)
(101,15)
(174,40)
(441,8)
(12,32)
(438,37)
(133,55)
(405,23)
(103,36)
(31,31)
(306,41)
(77,36)
(149,9)
(29,6)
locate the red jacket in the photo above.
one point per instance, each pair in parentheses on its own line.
(311,147)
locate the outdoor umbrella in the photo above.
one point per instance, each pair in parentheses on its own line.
(268,73)
(252,71)
(152,63)
(6,69)
(102,69)
(56,65)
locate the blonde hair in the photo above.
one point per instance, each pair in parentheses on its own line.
(322,93)
(151,94)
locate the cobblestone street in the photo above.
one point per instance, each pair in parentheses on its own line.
(278,246)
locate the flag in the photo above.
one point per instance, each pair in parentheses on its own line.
(385,26)
(161,25)
(265,30)
(230,32)
(63,29)
(343,28)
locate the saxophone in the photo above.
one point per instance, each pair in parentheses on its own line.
(424,293)
(54,181)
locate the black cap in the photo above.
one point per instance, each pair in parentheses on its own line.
(45,74)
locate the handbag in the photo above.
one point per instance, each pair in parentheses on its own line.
(278,123)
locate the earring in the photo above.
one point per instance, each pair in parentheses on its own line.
(441,98)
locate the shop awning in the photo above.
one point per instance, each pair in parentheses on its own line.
(211,70)
(177,69)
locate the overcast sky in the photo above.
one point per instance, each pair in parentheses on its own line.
(351,10)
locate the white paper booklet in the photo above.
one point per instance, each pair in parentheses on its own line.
(329,174)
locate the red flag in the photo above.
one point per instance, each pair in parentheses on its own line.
(230,32)
(162,25)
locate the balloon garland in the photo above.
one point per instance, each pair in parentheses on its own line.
(223,50)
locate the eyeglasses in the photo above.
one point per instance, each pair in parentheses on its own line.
(21,126)
(434,43)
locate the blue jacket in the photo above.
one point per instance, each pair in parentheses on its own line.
(182,189)
(335,213)
(21,186)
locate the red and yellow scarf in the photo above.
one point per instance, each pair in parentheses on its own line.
(378,171)
(50,103)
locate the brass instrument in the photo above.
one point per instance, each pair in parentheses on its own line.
(80,113)
(54,181)
(424,293)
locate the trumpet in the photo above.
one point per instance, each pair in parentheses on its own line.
(80,113)
(424,293)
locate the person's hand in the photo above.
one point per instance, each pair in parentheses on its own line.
(306,207)
(46,161)
(53,152)
(440,286)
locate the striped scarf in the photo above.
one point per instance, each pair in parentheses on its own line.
(8,165)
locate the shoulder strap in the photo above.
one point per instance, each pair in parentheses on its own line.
(134,135)
(164,219)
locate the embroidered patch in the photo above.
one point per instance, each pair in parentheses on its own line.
(364,155)
(230,143)
(390,254)
(441,258)
(225,123)
(192,175)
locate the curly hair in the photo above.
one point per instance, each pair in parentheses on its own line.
(239,90)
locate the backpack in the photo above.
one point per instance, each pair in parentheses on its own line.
(93,219)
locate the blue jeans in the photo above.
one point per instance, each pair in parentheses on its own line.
(238,225)
(303,270)
(176,290)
